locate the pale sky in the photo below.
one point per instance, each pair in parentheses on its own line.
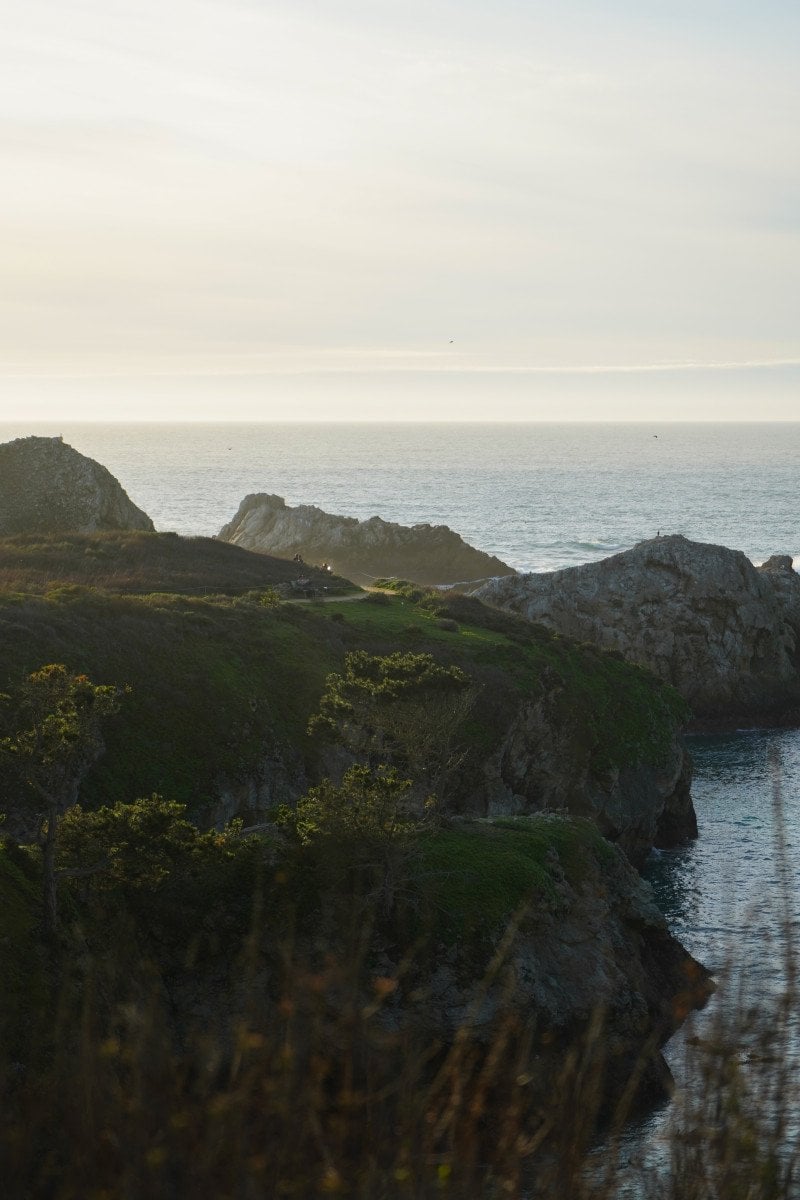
(362,209)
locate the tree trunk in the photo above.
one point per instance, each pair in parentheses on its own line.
(49,873)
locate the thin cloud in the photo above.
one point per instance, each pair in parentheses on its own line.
(424,362)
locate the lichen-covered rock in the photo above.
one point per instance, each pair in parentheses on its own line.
(724,633)
(47,487)
(360,550)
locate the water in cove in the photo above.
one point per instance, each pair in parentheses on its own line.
(726,900)
(541,497)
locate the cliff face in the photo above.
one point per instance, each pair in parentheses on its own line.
(47,487)
(724,633)
(590,939)
(360,550)
(544,764)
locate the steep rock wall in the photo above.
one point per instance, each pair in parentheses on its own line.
(590,940)
(543,764)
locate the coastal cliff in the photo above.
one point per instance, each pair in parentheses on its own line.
(46,487)
(359,550)
(588,937)
(722,632)
(549,725)
(522,979)
(544,764)
(485,925)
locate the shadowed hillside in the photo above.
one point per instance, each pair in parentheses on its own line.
(136,562)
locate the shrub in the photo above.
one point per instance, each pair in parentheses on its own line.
(353,839)
(405,709)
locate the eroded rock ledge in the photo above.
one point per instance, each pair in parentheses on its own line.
(724,633)
(359,550)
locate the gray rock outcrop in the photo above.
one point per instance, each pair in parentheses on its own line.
(47,487)
(724,633)
(359,550)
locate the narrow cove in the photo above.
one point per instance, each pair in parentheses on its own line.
(731,897)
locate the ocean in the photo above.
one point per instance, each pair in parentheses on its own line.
(540,497)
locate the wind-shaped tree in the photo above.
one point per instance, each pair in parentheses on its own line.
(54,739)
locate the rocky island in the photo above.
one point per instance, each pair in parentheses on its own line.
(46,487)
(359,550)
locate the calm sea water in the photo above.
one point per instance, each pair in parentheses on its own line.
(725,898)
(539,496)
(721,893)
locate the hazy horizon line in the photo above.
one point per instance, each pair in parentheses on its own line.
(408,421)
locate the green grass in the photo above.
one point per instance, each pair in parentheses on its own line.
(626,714)
(222,683)
(215,685)
(474,878)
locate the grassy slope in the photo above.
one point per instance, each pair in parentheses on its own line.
(475,877)
(142,563)
(214,683)
(626,714)
(218,682)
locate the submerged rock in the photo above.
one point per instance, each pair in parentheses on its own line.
(360,550)
(724,633)
(47,487)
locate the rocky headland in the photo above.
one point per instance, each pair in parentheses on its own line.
(591,938)
(547,726)
(722,632)
(359,550)
(545,763)
(46,487)
(513,918)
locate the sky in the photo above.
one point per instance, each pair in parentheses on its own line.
(364,210)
